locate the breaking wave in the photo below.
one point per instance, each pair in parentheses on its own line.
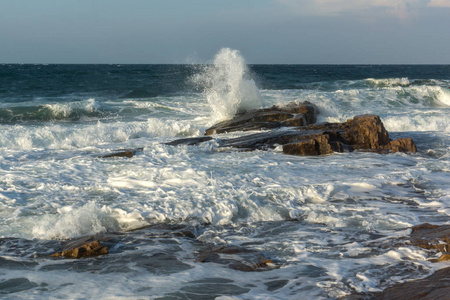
(227,85)
(71,111)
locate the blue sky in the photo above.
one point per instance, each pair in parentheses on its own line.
(192,31)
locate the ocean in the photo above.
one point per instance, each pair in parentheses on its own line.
(205,222)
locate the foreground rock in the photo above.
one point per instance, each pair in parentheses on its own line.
(436,286)
(434,237)
(84,247)
(300,136)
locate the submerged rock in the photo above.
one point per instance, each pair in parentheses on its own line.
(364,132)
(122,153)
(84,247)
(236,258)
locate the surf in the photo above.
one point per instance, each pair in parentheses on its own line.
(227,85)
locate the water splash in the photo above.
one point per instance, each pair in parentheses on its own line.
(227,85)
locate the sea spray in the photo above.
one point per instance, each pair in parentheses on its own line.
(227,86)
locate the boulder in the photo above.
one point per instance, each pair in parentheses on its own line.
(79,248)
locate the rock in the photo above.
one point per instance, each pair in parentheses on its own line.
(364,132)
(82,248)
(236,258)
(402,145)
(436,237)
(190,141)
(122,153)
(436,286)
(293,114)
(314,145)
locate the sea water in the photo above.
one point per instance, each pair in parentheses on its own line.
(329,225)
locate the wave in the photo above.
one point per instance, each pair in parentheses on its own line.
(388,82)
(71,111)
(227,85)
(56,136)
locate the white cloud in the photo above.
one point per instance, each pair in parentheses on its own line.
(439,3)
(404,10)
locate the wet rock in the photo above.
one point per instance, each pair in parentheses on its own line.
(402,145)
(436,286)
(84,247)
(236,258)
(122,153)
(313,145)
(300,137)
(291,115)
(190,141)
(435,237)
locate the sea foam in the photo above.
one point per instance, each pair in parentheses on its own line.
(228,86)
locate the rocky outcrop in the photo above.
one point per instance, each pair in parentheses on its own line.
(79,248)
(300,136)
(435,237)
(291,115)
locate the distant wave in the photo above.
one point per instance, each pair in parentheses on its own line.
(71,111)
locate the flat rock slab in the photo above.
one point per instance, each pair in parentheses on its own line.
(129,153)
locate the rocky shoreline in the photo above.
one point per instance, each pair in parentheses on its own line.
(293,128)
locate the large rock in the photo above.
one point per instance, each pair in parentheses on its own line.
(84,247)
(292,115)
(364,132)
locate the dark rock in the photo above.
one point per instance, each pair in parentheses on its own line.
(364,132)
(190,141)
(139,93)
(292,115)
(436,237)
(402,145)
(313,145)
(436,286)
(122,153)
(236,258)
(84,247)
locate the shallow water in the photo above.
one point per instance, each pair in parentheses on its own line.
(329,225)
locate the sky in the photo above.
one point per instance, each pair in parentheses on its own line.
(193,31)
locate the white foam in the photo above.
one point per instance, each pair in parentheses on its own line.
(61,136)
(389,82)
(69,222)
(227,85)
